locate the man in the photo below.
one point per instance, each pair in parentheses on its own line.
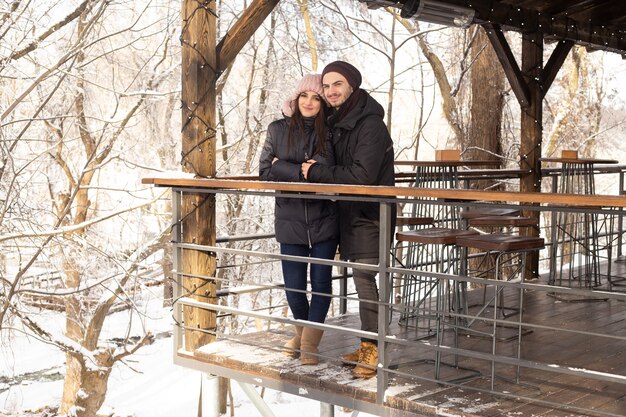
(364,155)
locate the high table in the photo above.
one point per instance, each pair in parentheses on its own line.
(578,237)
(428,299)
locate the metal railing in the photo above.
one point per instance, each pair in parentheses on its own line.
(452,322)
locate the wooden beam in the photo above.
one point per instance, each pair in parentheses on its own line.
(554,65)
(242,31)
(507,59)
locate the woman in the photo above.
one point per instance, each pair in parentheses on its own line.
(303,227)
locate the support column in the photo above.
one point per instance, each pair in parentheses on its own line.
(209,389)
(199,76)
(532,128)
(327,410)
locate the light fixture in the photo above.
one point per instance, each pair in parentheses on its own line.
(429,11)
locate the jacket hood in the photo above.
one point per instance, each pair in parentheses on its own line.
(367,106)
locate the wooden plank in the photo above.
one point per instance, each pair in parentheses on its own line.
(555,199)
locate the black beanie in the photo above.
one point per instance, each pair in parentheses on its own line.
(347,70)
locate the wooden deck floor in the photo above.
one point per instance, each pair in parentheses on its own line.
(412,389)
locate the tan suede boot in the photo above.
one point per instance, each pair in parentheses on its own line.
(368,360)
(310,341)
(348,359)
(293,345)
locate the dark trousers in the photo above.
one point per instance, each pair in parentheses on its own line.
(295,276)
(367,290)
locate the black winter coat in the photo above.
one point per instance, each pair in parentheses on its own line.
(364,155)
(297,220)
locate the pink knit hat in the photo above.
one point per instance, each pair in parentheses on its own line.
(310,82)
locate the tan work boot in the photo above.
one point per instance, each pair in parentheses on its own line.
(310,341)
(368,356)
(348,359)
(293,345)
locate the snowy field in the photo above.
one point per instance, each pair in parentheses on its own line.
(148,384)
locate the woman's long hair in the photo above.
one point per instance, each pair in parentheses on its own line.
(296,126)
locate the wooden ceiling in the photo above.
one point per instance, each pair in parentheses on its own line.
(596,24)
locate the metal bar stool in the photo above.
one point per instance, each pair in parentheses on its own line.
(431,297)
(511,251)
(401,252)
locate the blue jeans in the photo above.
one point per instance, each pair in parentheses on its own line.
(295,276)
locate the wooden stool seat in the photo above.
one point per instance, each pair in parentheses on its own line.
(413,221)
(500,242)
(504,221)
(489,211)
(434,235)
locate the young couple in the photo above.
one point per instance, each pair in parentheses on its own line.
(345,142)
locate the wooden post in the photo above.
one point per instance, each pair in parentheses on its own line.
(203,60)
(526,84)
(199,76)
(532,128)
(530,84)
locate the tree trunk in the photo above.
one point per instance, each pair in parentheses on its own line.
(449,102)
(392,76)
(306,16)
(484,138)
(168,268)
(74,331)
(3,264)
(94,385)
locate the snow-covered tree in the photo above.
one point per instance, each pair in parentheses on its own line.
(81,84)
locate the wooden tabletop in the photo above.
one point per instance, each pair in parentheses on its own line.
(387,191)
(448,163)
(579,160)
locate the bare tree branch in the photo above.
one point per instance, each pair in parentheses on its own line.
(80,226)
(35,43)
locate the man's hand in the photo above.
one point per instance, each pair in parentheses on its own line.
(305,168)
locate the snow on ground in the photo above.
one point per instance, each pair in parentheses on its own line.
(148,384)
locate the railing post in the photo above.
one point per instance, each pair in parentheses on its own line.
(343,291)
(620,217)
(384,278)
(176,232)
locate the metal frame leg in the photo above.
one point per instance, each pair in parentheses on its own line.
(256,399)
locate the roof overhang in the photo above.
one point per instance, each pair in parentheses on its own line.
(595,24)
